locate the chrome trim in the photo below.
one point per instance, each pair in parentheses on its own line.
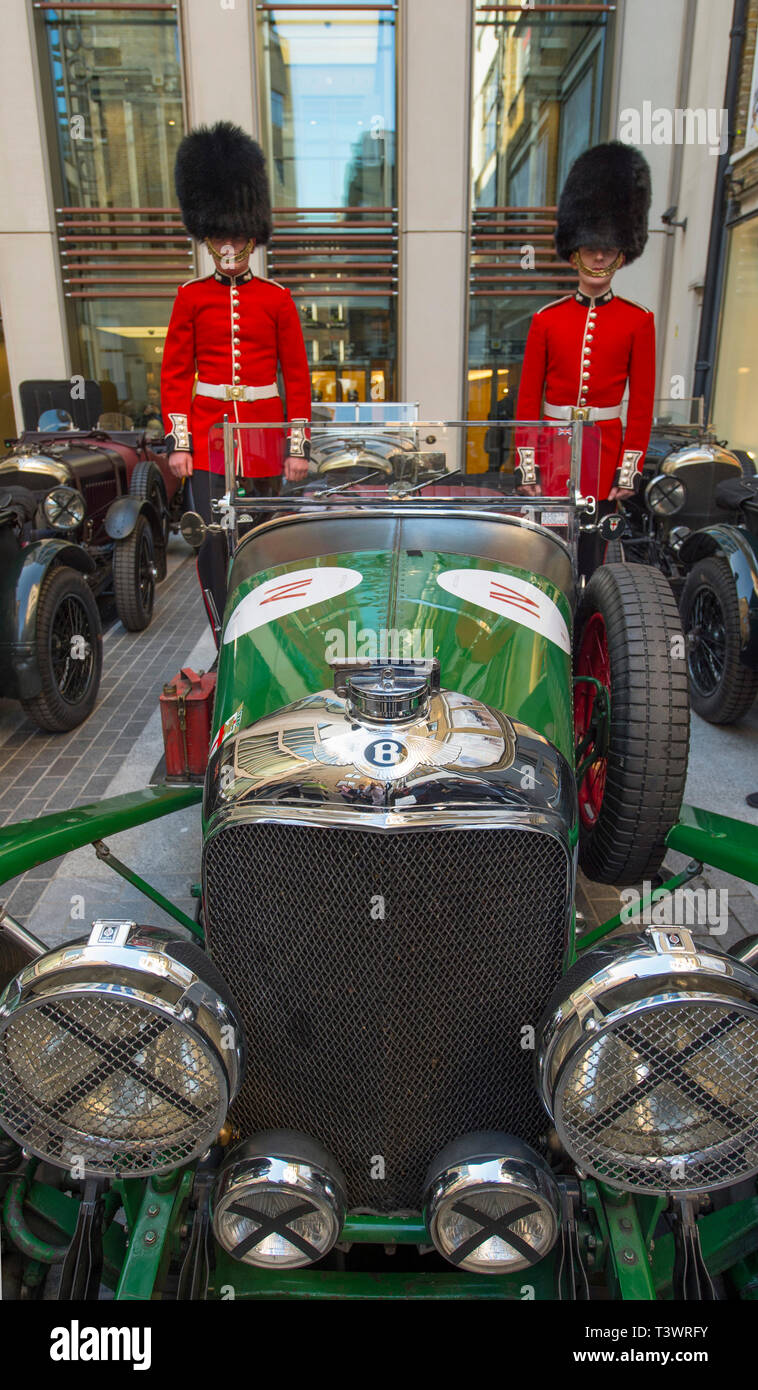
(317,756)
(36,463)
(663,965)
(306,790)
(247,1172)
(523,1171)
(17,933)
(135,967)
(656,481)
(699,453)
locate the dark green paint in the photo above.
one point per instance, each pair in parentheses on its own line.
(726,1237)
(31,842)
(487,657)
(384,1230)
(627,1246)
(592,937)
(242,1281)
(153,1239)
(727,844)
(146,888)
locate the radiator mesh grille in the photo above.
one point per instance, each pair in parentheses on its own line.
(385,979)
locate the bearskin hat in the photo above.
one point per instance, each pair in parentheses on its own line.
(605,201)
(221,184)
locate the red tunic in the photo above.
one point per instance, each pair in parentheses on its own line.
(582,352)
(233,331)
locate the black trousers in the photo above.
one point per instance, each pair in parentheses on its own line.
(205,486)
(592,545)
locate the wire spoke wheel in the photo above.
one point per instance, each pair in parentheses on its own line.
(69,651)
(147,484)
(134,576)
(72,653)
(722,687)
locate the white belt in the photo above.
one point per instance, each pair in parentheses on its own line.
(582,412)
(236,393)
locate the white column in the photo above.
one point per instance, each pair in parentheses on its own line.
(30,289)
(434,124)
(650,83)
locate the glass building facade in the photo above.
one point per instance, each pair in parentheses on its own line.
(115,113)
(539,99)
(326,79)
(327,89)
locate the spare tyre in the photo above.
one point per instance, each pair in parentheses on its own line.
(629,642)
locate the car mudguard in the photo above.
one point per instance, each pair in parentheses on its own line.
(23,574)
(122,514)
(740,550)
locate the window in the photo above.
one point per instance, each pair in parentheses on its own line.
(114,97)
(328,95)
(543,74)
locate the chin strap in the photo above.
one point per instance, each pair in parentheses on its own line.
(222,258)
(576,260)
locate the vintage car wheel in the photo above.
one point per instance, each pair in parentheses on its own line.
(134,576)
(721,688)
(614,553)
(629,797)
(70,668)
(147,484)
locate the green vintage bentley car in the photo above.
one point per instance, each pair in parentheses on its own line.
(389,1058)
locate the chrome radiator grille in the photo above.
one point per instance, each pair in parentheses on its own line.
(385,979)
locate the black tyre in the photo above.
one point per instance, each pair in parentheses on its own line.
(628,637)
(69,652)
(147,484)
(721,688)
(134,576)
(614,553)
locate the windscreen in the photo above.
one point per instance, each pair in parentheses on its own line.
(541,466)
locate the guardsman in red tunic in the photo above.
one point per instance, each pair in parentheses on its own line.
(585,349)
(231,329)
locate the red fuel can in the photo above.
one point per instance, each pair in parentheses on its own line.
(186,716)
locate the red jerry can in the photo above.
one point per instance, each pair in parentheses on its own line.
(186,716)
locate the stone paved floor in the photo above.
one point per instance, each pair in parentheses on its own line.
(42,772)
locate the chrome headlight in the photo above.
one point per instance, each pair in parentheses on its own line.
(648,1064)
(665,495)
(64,508)
(280,1201)
(119,1055)
(492,1205)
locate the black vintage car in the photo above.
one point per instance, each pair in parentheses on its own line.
(696,519)
(84,515)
